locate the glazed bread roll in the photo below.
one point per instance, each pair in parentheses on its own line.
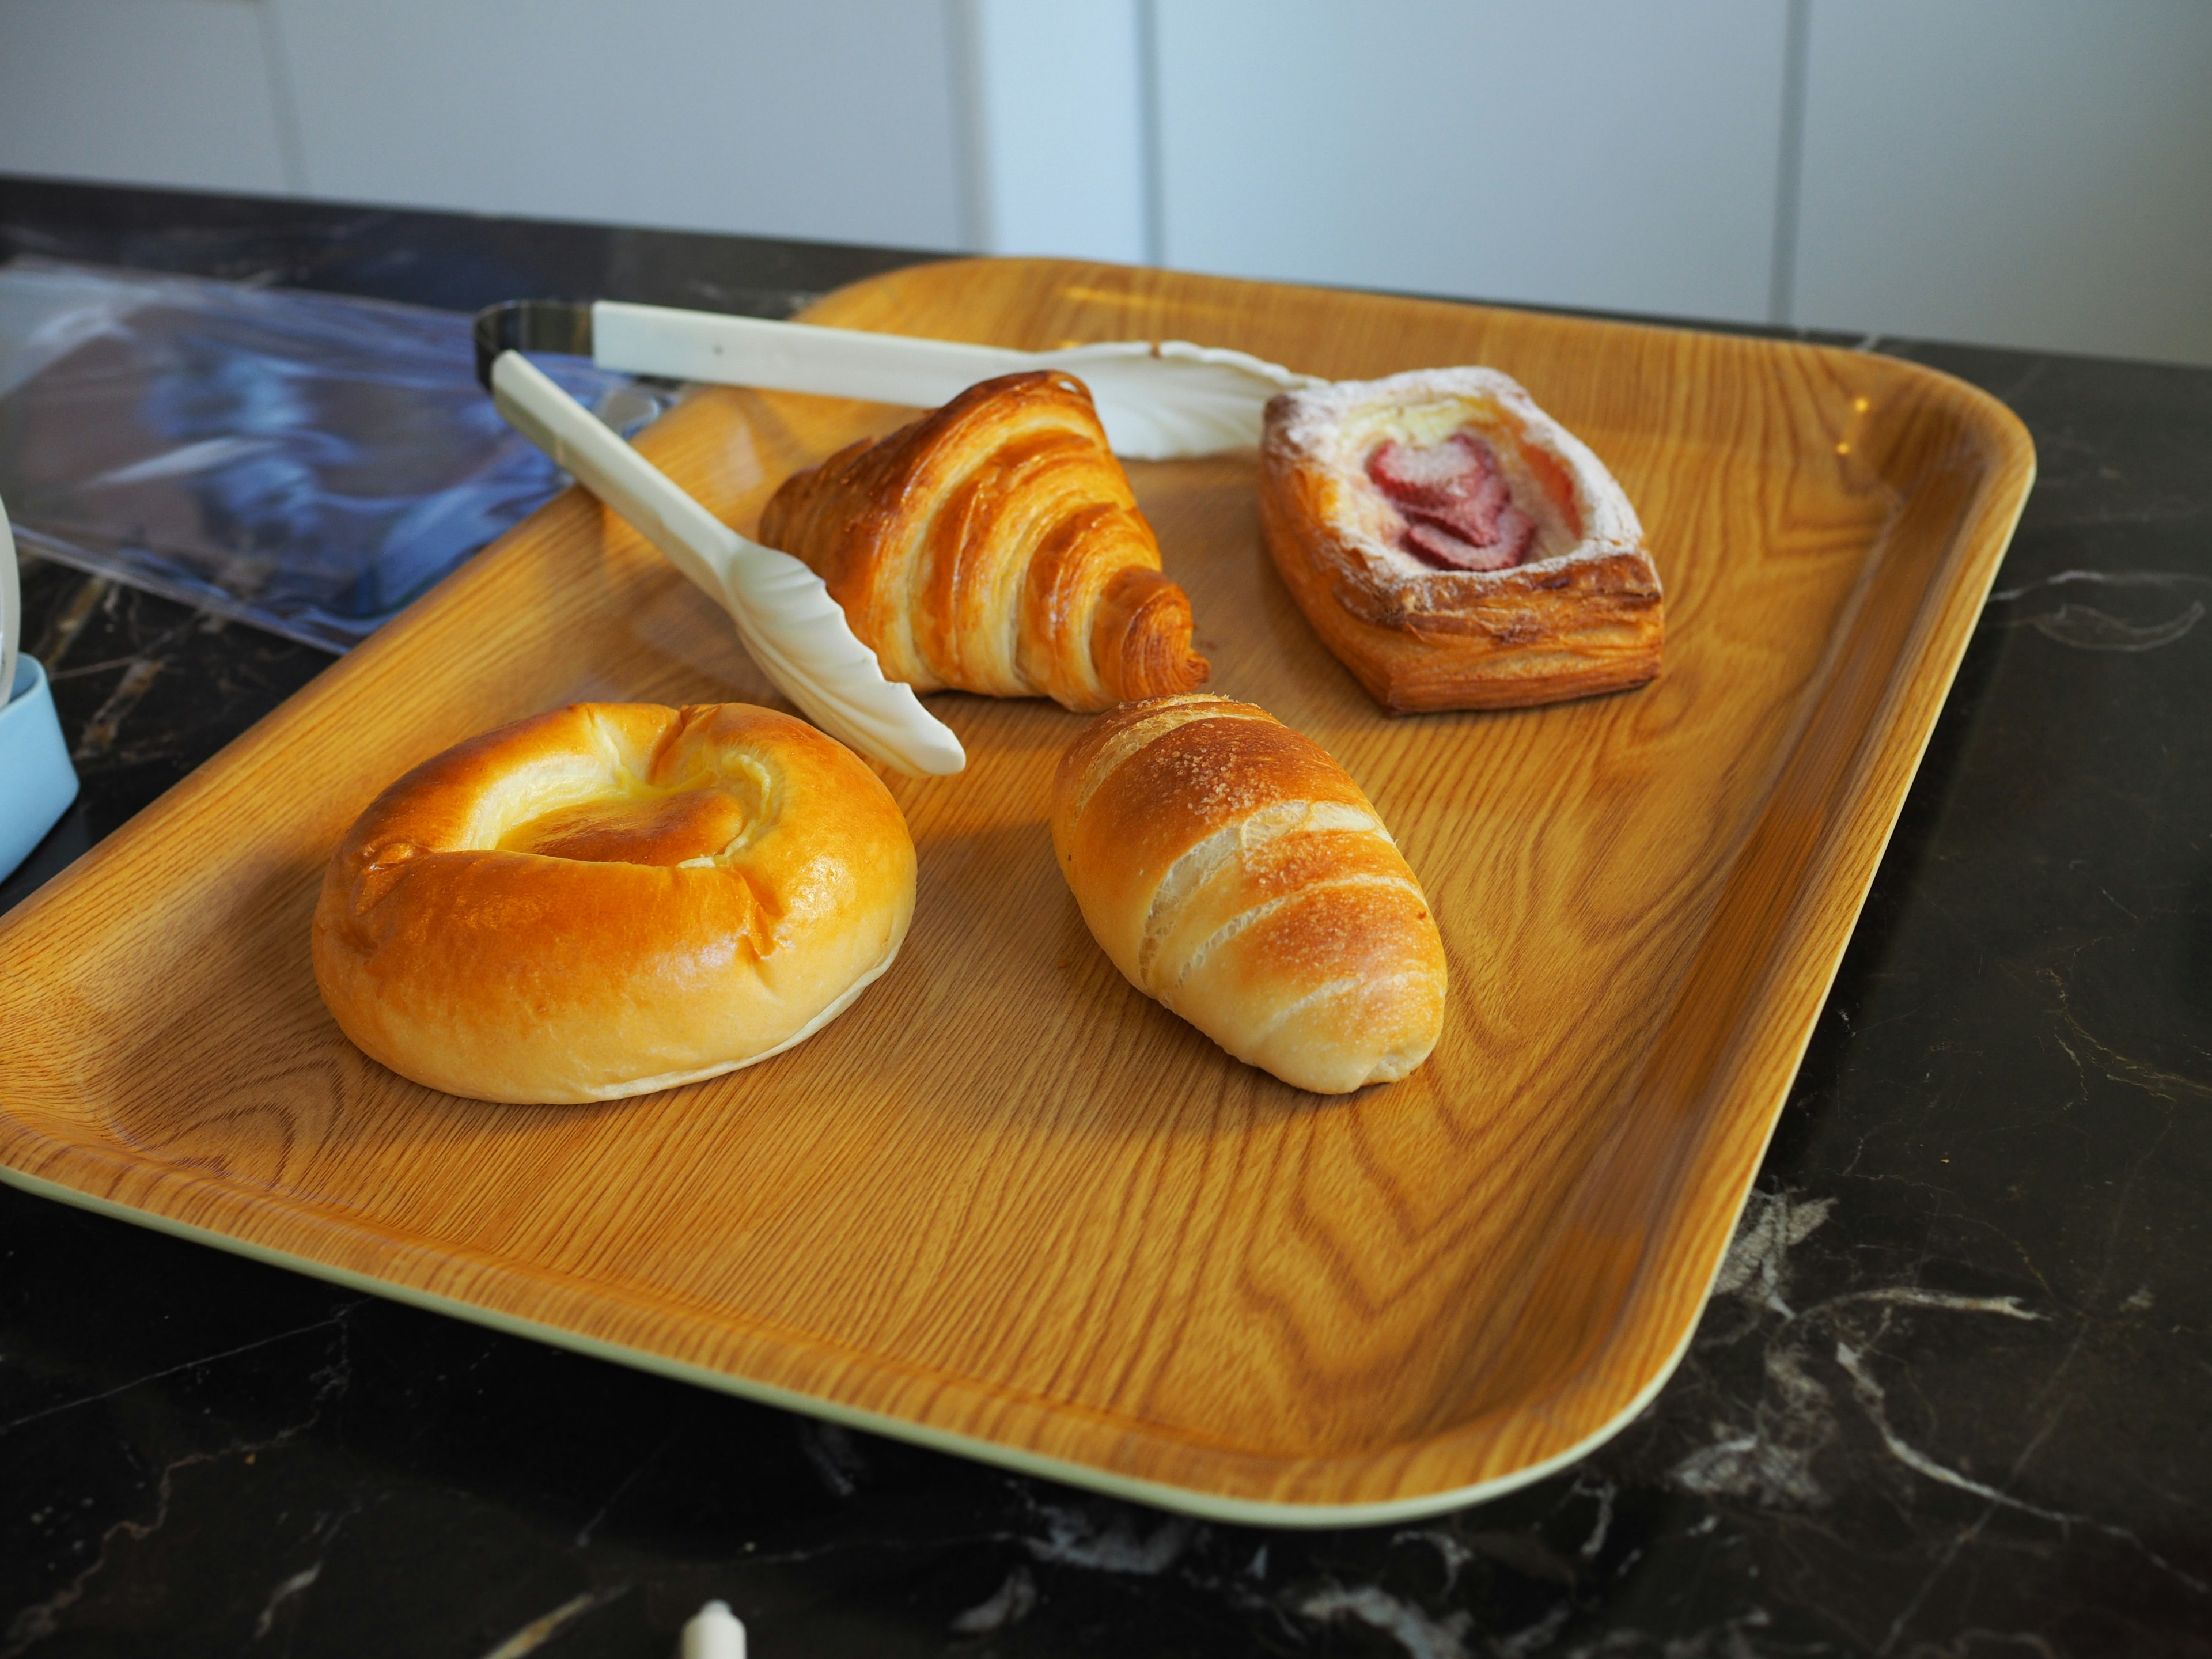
(1232,870)
(994,545)
(611,898)
(1454,545)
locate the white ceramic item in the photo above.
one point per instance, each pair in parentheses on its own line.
(37,782)
(789,625)
(714,1632)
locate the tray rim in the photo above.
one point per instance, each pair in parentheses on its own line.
(1184,1500)
(1919,675)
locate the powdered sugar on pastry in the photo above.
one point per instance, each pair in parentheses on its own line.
(1424,423)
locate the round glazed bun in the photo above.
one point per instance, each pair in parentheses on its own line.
(611,898)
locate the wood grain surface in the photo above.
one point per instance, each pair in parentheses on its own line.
(1008,1202)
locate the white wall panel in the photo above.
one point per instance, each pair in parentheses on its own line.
(830,119)
(1583,152)
(2035,173)
(2017,171)
(1060,124)
(176,93)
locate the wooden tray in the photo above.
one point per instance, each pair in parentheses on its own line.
(1006,1205)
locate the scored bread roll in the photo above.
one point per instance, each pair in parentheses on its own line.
(994,545)
(1236,874)
(611,898)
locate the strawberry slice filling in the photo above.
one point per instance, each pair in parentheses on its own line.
(1458,509)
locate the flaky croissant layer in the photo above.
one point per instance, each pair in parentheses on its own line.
(994,545)
(1235,873)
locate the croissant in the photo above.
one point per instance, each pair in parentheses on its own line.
(1454,545)
(1235,873)
(994,545)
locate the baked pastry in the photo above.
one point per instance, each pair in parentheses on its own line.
(611,898)
(994,545)
(1235,873)
(1454,546)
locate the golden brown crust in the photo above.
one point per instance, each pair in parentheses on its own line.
(1235,873)
(609,898)
(994,545)
(1582,616)
(1141,637)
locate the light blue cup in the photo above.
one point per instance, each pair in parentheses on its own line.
(37,782)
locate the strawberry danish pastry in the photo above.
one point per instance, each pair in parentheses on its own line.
(1454,546)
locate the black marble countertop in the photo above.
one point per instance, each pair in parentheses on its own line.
(1952,1395)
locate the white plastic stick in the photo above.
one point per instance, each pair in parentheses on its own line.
(836,362)
(786,619)
(1158,400)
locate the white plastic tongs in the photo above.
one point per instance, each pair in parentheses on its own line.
(1157,400)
